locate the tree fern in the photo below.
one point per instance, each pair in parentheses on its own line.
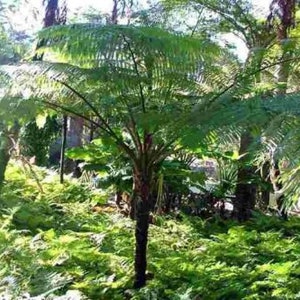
(148,89)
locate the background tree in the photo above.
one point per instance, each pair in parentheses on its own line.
(282,19)
(35,139)
(237,17)
(9,129)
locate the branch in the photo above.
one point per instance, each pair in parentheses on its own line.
(198,22)
(246,19)
(226,17)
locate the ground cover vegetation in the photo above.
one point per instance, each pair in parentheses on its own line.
(175,145)
(53,243)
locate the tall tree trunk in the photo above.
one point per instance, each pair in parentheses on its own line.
(51,16)
(63,148)
(75,138)
(265,190)
(282,210)
(114,13)
(142,185)
(91,137)
(7,140)
(246,188)
(284,12)
(4,156)
(245,194)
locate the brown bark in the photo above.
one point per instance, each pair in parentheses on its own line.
(265,190)
(51,16)
(4,156)
(7,140)
(118,199)
(114,13)
(245,195)
(277,187)
(74,138)
(246,188)
(284,11)
(63,148)
(142,182)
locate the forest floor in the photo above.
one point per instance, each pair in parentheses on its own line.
(53,244)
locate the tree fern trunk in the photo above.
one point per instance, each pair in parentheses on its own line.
(142,190)
(7,140)
(284,12)
(63,148)
(265,192)
(277,187)
(245,195)
(75,139)
(4,157)
(246,188)
(141,236)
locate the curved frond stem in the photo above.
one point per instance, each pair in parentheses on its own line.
(236,81)
(57,107)
(135,138)
(132,129)
(194,28)
(84,100)
(125,147)
(106,126)
(161,152)
(143,100)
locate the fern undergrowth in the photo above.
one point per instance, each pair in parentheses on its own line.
(53,243)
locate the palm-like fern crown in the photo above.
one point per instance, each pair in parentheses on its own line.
(143,79)
(143,66)
(125,74)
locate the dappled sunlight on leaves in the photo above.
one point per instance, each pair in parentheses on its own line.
(52,243)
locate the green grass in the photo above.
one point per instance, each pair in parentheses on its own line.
(51,243)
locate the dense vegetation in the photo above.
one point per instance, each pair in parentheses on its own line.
(177,149)
(52,243)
